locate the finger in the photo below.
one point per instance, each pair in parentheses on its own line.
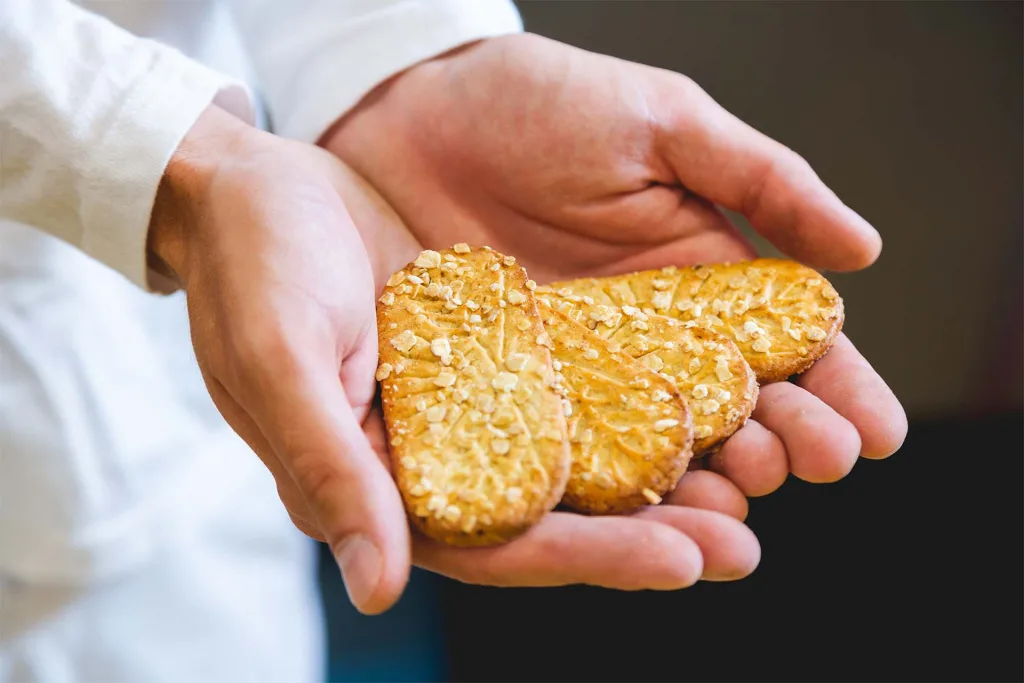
(358,370)
(566,548)
(730,549)
(821,445)
(246,428)
(377,434)
(726,161)
(709,491)
(302,409)
(845,380)
(754,459)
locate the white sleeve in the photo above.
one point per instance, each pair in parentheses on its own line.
(89,118)
(315,59)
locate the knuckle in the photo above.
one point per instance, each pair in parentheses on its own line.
(317,481)
(799,166)
(689,87)
(783,166)
(684,86)
(682,96)
(297,509)
(330,497)
(307,527)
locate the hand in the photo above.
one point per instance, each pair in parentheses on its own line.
(261,233)
(280,299)
(580,164)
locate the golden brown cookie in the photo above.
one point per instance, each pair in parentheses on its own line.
(631,432)
(782,315)
(477,433)
(707,369)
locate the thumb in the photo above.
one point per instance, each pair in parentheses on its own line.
(724,160)
(309,422)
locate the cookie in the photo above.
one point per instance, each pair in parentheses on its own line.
(477,432)
(630,431)
(783,316)
(707,369)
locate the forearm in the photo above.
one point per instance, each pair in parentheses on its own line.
(89,117)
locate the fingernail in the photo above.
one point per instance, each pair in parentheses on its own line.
(360,563)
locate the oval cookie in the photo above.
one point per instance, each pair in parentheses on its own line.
(631,433)
(477,434)
(782,315)
(707,369)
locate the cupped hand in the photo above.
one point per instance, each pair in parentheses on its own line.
(581,164)
(280,282)
(281,296)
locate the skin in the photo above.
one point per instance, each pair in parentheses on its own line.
(280,283)
(581,164)
(576,163)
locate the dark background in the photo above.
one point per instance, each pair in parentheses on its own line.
(910,568)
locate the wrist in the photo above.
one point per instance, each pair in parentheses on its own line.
(215,138)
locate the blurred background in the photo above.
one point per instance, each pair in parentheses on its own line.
(911,568)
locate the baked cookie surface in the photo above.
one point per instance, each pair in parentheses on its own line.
(706,368)
(783,316)
(477,433)
(631,433)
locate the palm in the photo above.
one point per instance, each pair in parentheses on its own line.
(578,164)
(682,544)
(568,177)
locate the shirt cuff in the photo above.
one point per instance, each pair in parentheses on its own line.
(147,128)
(341,69)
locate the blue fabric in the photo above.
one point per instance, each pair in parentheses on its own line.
(404,644)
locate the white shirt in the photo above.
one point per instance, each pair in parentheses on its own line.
(105,425)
